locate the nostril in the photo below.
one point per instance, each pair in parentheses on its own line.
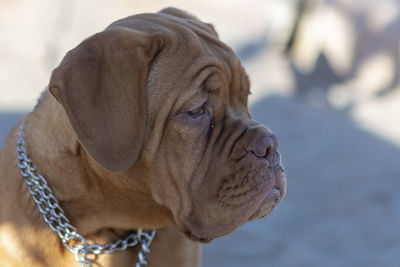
(265,147)
(268,153)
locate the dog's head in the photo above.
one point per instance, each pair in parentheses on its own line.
(159,97)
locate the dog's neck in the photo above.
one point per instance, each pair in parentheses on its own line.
(86,191)
(90,196)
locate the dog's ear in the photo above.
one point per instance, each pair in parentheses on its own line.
(102,86)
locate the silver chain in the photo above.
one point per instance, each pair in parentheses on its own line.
(54,216)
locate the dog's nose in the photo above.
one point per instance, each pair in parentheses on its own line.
(266,147)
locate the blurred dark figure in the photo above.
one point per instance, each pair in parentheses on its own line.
(367,43)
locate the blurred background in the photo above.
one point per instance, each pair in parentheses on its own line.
(325,79)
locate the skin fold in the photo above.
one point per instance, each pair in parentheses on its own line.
(145,125)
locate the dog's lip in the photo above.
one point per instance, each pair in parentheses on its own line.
(275,161)
(274,194)
(272,199)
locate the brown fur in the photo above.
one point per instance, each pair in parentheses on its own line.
(119,143)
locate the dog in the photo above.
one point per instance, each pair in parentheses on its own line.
(144,125)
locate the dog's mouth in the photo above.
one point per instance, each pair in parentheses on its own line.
(264,181)
(272,200)
(238,200)
(268,205)
(274,196)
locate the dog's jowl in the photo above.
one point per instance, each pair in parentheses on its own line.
(143,139)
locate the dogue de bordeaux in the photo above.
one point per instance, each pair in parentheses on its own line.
(144,126)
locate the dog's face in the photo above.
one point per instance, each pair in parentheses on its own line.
(159,97)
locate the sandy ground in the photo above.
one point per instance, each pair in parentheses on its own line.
(342,160)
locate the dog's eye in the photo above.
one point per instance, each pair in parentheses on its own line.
(197,111)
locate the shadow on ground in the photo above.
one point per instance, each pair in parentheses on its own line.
(342,206)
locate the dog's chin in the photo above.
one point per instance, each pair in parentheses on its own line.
(195,238)
(200,234)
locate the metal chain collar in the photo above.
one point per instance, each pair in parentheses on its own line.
(54,216)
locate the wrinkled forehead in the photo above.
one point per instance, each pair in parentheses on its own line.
(191,50)
(166,21)
(180,31)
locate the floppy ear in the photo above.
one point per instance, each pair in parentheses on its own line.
(102,86)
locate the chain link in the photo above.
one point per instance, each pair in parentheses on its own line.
(54,216)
